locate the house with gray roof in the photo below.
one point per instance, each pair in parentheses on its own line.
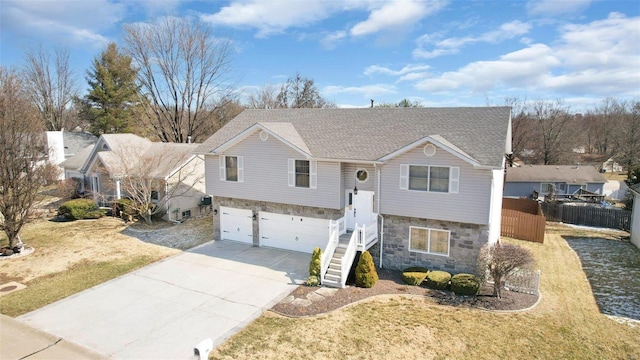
(414,186)
(175,173)
(564,180)
(63,145)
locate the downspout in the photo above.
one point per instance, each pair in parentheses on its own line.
(378,171)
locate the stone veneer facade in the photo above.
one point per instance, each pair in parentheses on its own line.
(465,243)
(278,208)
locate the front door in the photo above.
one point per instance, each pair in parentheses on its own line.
(358,208)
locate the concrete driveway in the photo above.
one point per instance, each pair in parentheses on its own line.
(163,310)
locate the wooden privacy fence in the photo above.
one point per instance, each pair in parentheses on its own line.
(522,219)
(588,216)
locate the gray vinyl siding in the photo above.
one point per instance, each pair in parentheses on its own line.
(470,205)
(596,187)
(266,176)
(520,189)
(349,178)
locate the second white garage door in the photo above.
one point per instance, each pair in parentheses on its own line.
(293,232)
(236,224)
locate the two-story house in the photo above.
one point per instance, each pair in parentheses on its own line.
(414,186)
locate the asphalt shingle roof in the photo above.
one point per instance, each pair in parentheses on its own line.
(570,174)
(75,141)
(370,134)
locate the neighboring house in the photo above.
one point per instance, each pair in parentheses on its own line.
(174,172)
(415,187)
(564,179)
(635,215)
(72,168)
(611,165)
(62,145)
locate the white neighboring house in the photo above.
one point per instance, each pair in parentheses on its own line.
(611,165)
(63,144)
(635,215)
(175,172)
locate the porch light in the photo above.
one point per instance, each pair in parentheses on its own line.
(355,190)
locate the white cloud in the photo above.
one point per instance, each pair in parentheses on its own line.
(411,68)
(73,22)
(272,17)
(599,58)
(556,7)
(329,41)
(449,46)
(366,90)
(396,14)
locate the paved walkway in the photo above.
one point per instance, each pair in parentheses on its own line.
(20,341)
(163,310)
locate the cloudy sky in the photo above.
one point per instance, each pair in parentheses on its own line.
(437,52)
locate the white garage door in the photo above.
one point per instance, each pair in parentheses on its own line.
(236,225)
(293,232)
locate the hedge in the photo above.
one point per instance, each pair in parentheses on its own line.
(414,275)
(438,280)
(465,284)
(79,209)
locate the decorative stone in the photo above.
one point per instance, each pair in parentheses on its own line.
(301,302)
(288,299)
(314,297)
(326,291)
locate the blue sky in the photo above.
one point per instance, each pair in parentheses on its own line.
(437,52)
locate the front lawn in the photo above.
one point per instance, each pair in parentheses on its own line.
(565,324)
(70,257)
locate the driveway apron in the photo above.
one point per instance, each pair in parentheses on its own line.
(163,310)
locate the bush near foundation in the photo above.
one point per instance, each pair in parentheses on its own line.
(438,280)
(414,275)
(366,275)
(79,209)
(314,268)
(465,284)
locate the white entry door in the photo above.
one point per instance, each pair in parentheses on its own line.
(359,208)
(236,224)
(295,233)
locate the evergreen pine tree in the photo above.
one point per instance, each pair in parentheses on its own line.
(113,93)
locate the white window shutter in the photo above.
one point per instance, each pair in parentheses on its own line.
(313,174)
(454,180)
(292,172)
(240,169)
(223,168)
(404,177)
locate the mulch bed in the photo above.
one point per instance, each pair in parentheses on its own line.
(391,283)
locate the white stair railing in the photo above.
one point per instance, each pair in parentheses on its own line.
(332,244)
(347,258)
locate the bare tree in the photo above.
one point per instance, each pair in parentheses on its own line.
(627,135)
(501,260)
(301,92)
(552,120)
(22,154)
(184,72)
(51,85)
(264,98)
(521,134)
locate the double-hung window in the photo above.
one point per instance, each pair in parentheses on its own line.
(429,178)
(303,173)
(431,241)
(546,188)
(231,168)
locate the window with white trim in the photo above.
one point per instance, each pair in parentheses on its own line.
(546,188)
(430,241)
(430,178)
(231,168)
(303,173)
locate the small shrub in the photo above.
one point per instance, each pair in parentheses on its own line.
(124,208)
(465,284)
(438,280)
(366,275)
(500,260)
(313,280)
(314,265)
(414,275)
(79,209)
(67,189)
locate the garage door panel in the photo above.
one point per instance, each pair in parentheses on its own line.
(236,225)
(293,232)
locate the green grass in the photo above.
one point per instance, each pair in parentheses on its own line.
(53,287)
